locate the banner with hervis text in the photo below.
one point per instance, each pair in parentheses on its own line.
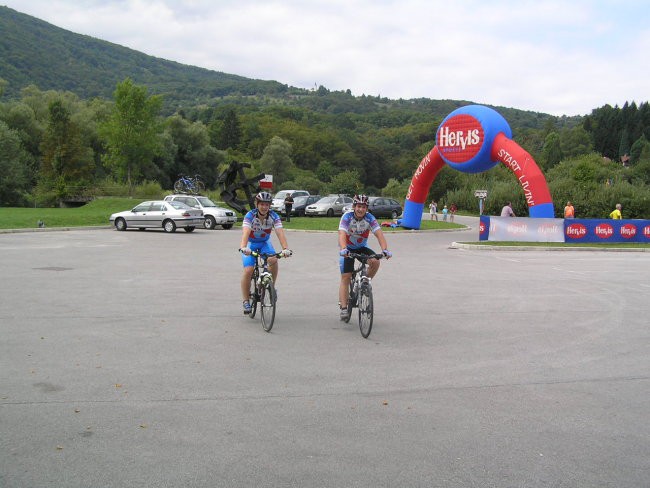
(606,230)
(521,229)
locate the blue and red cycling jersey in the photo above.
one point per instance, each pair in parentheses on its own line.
(261,228)
(358,231)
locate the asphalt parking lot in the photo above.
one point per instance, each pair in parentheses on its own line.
(126,361)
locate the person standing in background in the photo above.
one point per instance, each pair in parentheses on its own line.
(616,213)
(452,211)
(433,210)
(288,205)
(507,211)
(569,211)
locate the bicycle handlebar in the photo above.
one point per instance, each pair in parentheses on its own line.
(364,257)
(278,255)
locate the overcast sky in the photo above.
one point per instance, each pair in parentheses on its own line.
(559,57)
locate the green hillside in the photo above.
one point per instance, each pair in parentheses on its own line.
(35,52)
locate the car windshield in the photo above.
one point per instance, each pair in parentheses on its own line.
(179,205)
(299,200)
(281,194)
(206,202)
(327,200)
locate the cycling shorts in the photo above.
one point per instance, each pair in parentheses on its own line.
(264,247)
(346,265)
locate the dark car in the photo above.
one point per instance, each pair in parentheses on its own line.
(300,203)
(381,207)
(384,207)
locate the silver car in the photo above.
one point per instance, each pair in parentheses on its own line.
(329,206)
(214,215)
(159,214)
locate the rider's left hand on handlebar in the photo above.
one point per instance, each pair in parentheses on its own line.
(286,253)
(387,254)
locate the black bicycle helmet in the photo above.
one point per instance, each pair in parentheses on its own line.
(264,196)
(363,199)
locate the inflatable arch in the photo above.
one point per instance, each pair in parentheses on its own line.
(473,139)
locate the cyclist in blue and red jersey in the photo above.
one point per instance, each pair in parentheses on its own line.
(256,236)
(354,229)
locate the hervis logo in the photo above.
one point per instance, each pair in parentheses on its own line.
(604,231)
(576,231)
(628,231)
(460,138)
(482,228)
(646,231)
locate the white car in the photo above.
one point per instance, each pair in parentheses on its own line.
(159,214)
(213,214)
(277,205)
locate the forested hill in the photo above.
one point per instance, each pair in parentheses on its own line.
(33,52)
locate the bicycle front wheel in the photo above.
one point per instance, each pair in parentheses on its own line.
(253,296)
(365,309)
(178,186)
(267,306)
(200,187)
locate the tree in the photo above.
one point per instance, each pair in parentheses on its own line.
(194,154)
(276,159)
(637,148)
(552,151)
(132,132)
(14,162)
(64,157)
(230,132)
(346,182)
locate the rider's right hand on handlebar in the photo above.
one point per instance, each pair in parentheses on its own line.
(344,252)
(245,250)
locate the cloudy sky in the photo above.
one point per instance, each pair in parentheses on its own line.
(553,56)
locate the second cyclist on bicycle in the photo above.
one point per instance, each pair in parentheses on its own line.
(354,230)
(256,234)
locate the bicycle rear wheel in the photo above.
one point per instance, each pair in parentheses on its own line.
(267,306)
(178,186)
(253,296)
(200,187)
(365,309)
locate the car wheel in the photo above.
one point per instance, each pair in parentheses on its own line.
(394,214)
(169,226)
(209,222)
(190,229)
(120,224)
(330,212)
(227,226)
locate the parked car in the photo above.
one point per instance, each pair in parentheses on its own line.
(301,203)
(330,205)
(381,207)
(214,215)
(277,204)
(159,214)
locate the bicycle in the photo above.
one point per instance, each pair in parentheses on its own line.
(262,289)
(360,293)
(189,185)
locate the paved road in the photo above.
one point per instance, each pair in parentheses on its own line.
(125,361)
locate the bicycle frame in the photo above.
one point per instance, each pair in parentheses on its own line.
(262,289)
(360,292)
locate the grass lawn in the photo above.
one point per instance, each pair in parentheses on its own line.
(94,213)
(98,211)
